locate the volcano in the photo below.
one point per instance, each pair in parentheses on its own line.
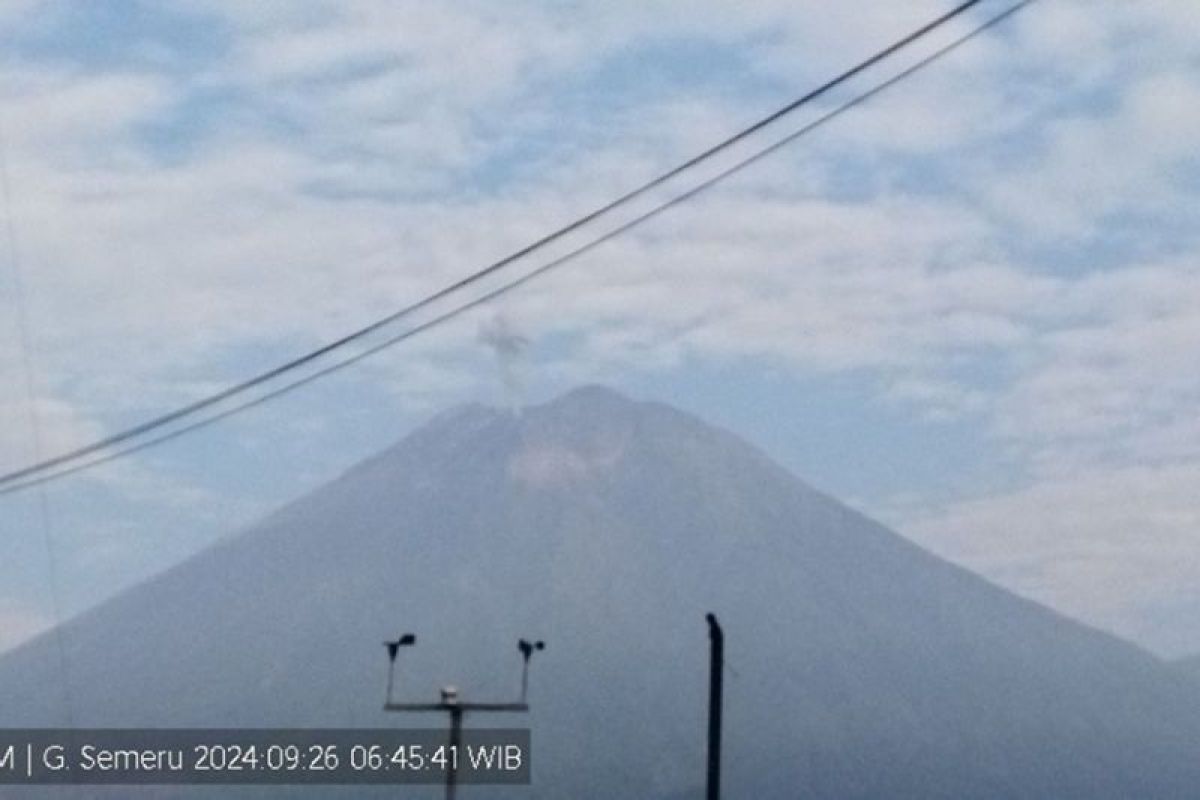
(857,664)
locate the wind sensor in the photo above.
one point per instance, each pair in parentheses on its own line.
(452,704)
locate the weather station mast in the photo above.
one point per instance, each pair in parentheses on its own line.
(452,704)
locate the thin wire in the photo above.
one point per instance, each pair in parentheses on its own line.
(240,388)
(35,425)
(548,266)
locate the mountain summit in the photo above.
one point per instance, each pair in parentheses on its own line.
(858,665)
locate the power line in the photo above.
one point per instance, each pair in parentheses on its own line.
(35,427)
(14,485)
(548,266)
(240,388)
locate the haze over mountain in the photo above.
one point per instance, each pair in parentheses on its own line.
(860,666)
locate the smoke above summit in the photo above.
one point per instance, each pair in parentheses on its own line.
(501,335)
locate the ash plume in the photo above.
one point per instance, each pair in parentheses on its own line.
(508,344)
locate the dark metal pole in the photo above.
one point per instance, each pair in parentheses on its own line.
(715,674)
(456,716)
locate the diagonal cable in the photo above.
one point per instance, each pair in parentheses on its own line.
(191,409)
(544,268)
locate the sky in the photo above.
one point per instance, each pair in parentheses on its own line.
(970,308)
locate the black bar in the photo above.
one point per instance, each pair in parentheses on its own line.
(456,716)
(460,706)
(716,668)
(264,756)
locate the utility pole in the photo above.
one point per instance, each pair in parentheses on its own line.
(453,706)
(716,670)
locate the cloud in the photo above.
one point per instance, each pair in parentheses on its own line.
(1115,379)
(939,400)
(62,427)
(1087,174)
(17,11)
(1116,547)
(61,116)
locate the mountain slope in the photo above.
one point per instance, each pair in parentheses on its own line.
(1189,665)
(860,665)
